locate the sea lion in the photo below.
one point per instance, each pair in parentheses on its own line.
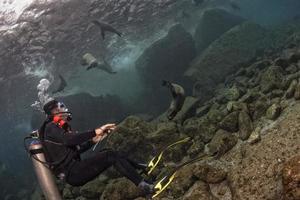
(91,62)
(61,86)
(104,27)
(178,97)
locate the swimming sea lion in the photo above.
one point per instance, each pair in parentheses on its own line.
(106,28)
(89,60)
(178,97)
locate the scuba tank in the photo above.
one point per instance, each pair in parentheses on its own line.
(41,168)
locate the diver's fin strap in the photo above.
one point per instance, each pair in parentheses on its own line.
(163,184)
(155,160)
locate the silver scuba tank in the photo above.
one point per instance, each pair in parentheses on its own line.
(43,173)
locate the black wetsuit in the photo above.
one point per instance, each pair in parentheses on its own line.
(63,148)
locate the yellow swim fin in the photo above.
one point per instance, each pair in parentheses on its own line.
(156,159)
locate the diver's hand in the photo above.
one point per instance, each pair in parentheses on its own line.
(96,139)
(105,129)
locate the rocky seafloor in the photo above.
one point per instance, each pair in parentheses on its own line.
(249,123)
(242,109)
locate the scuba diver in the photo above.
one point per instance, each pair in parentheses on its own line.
(63,146)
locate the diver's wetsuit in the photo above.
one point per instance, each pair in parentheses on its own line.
(63,148)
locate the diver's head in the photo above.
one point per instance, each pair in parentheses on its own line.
(56,108)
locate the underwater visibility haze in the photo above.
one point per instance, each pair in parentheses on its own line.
(161,99)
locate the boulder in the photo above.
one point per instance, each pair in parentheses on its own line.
(291,69)
(215,114)
(209,173)
(233,93)
(93,189)
(130,138)
(200,128)
(258,108)
(196,148)
(225,55)
(282,62)
(271,79)
(230,122)
(255,136)
(291,90)
(67,194)
(183,181)
(167,58)
(245,125)
(222,142)
(237,106)
(120,189)
(202,110)
(251,96)
(291,179)
(297,92)
(273,111)
(200,190)
(213,24)
(188,109)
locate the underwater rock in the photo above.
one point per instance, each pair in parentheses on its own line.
(273,111)
(245,125)
(224,56)
(183,181)
(167,58)
(233,94)
(258,108)
(222,142)
(200,190)
(196,148)
(255,136)
(291,69)
(271,79)
(67,194)
(209,173)
(230,122)
(165,132)
(275,93)
(202,110)
(291,90)
(206,129)
(282,62)
(188,109)
(213,23)
(120,189)
(200,128)
(297,92)
(93,189)
(130,137)
(251,96)
(291,179)
(237,106)
(215,114)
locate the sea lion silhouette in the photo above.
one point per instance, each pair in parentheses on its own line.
(178,97)
(89,60)
(104,27)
